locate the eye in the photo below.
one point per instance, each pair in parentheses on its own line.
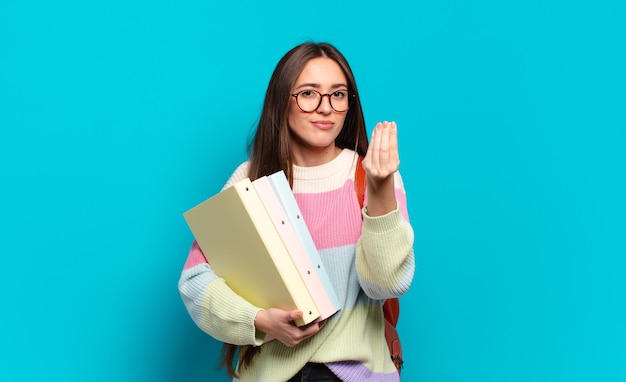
(339,94)
(308,94)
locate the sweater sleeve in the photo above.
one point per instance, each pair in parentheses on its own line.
(385,260)
(211,303)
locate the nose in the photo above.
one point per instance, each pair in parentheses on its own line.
(325,107)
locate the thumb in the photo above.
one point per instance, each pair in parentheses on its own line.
(295,314)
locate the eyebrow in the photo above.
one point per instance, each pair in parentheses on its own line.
(314,85)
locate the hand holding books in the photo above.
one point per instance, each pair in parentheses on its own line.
(261,250)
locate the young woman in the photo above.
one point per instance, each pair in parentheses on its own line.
(312,128)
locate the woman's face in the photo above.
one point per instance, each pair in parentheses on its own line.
(313,134)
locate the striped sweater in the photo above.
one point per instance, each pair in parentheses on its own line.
(368,260)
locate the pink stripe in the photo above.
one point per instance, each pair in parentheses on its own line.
(401,197)
(321,211)
(195,256)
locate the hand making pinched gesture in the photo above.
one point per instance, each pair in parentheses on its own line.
(380,164)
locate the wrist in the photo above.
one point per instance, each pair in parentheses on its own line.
(381,198)
(260,319)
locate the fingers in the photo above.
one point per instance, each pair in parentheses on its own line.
(382,157)
(394,157)
(384,142)
(290,334)
(310,329)
(279,324)
(388,146)
(374,146)
(295,315)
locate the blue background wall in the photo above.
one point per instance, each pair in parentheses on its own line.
(117,116)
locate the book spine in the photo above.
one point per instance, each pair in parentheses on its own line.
(297,289)
(296,249)
(288,201)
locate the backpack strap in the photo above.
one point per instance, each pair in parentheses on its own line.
(359,181)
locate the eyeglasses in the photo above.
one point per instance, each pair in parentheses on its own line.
(310,100)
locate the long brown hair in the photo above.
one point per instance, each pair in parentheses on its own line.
(269,150)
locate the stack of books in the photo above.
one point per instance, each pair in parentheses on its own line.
(253,235)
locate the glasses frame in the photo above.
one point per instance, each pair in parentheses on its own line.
(330,102)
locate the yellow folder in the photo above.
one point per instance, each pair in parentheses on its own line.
(241,244)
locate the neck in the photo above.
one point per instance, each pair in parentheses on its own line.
(314,157)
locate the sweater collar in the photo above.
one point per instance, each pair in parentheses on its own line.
(326,170)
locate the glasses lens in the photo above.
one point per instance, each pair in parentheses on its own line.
(339,100)
(308,100)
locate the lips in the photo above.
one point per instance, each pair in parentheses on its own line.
(323,125)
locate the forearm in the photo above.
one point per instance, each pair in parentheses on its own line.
(216,309)
(381,196)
